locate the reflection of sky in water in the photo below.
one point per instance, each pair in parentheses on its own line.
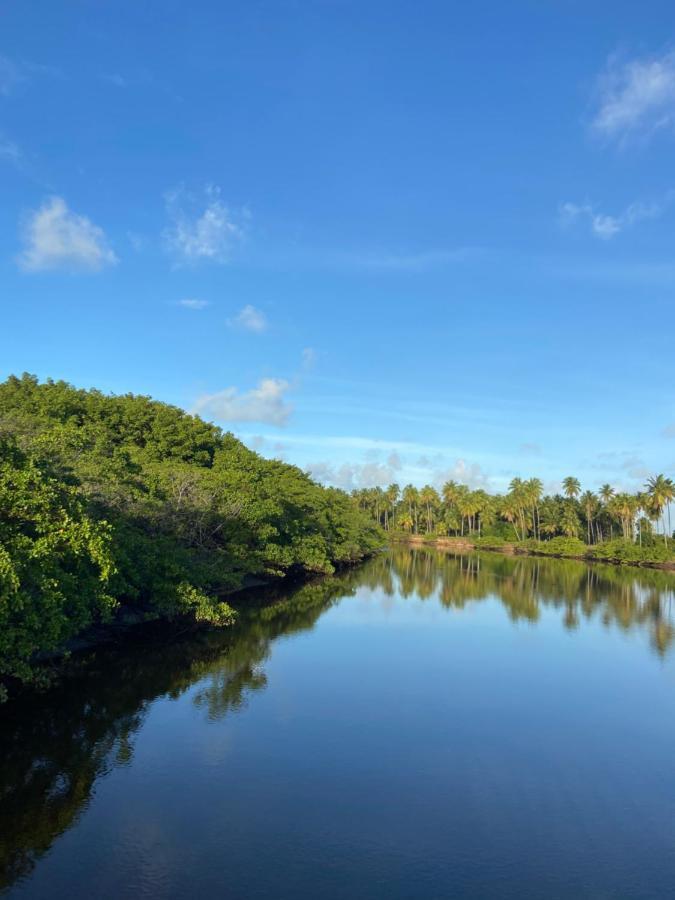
(448,727)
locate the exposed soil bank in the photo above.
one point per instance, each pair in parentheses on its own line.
(464,545)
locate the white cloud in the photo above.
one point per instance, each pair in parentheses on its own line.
(250,319)
(394,461)
(191,303)
(636,98)
(265,403)
(54,237)
(470,474)
(351,476)
(605,226)
(201,229)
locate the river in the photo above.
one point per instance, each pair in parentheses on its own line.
(426,725)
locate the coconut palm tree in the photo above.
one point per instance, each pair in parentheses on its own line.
(589,504)
(606,493)
(519,499)
(534,490)
(571,487)
(661,492)
(625,506)
(509,512)
(411,496)
(429,499)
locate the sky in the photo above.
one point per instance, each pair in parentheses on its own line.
(384,241)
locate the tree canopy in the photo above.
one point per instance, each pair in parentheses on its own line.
(127,507)
(525,513)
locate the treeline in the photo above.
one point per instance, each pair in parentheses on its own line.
(525,513)
(123,507)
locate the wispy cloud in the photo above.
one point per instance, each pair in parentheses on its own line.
(201,228)
(420,261)
(250,319)
(373,473)
(351,476)
(54,238)
(464,472)
(265,403)
(606,226)
(191,303)
(377,261)
(623,463)
(359,443)
(636,97)
(529,448)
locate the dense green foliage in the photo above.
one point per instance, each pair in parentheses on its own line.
(609,525)
(128,507)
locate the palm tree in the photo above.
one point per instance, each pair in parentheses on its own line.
(661,492)
(625,506)
(534,489)
(606,493)
(485,509)
(571,487)
(429,498)
(405,520)
(643,502)
(589,504)
(411,497)
(509,511)
(519,499)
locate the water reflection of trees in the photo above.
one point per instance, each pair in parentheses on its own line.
(55,746)
(617,596)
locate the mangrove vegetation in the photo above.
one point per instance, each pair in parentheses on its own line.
(123,509)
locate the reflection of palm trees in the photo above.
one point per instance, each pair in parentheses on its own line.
(526,584)
(54,748)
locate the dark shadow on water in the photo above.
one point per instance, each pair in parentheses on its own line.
(54,747)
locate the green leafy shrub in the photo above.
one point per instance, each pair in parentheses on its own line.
(129,506)
(625,551)
(557,546)
(55,563)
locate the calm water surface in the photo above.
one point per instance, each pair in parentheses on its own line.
(425,726)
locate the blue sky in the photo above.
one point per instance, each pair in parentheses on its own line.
(382,240)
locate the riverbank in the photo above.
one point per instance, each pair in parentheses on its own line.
(136,627)
(119,509)
(618,553)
